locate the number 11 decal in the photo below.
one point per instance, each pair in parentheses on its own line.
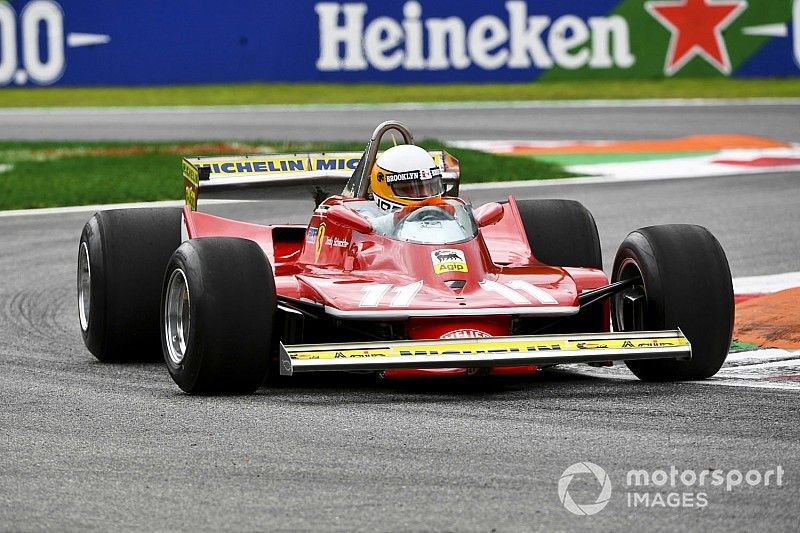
(403,295)
(517,290)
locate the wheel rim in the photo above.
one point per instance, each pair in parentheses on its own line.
(177,316)
(84,286)
(629,305)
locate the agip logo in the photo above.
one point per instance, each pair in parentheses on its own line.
(448,260)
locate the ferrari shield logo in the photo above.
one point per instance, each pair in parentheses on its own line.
(320,241)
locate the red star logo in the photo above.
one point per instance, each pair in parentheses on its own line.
(696,27)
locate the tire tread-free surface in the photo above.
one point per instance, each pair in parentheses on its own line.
(232,306)
(688,285)
(128,252)
(561,233)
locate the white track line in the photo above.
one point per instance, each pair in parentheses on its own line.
(45,211)
(85,208)
(588,180)
(722,162)
(766,284)
(411,106)
(759,357)
(746,369)
(752,384)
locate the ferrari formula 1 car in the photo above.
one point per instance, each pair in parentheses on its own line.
(434,287)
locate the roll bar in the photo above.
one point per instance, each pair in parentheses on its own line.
(358,184)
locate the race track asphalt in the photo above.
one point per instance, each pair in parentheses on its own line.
(452,121)
(93,446)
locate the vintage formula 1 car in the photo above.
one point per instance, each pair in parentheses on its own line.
(434,286)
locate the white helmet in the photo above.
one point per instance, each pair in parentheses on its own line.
(403,175)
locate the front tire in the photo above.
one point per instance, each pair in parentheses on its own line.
(686,284)
(121,260)
(217,313)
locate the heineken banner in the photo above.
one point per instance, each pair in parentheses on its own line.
(136,42)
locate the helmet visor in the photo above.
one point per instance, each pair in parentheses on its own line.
(422,185)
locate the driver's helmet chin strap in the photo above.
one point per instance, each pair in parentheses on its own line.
(433,201)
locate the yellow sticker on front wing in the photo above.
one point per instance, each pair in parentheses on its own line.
(492,347)
(621,344)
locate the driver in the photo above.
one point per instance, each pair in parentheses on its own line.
(404,176)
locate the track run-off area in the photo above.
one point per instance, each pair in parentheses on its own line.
(94,446)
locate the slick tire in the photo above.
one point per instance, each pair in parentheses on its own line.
(217,312)
(561,233)
(686,284)
(121,260)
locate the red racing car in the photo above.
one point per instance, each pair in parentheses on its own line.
(395,275)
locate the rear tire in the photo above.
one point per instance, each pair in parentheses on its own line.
(121,260)
(217,313)
(686,284)
(561,233)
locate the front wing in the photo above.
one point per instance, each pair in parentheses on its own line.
(486,352)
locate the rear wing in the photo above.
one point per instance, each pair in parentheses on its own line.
(256,172)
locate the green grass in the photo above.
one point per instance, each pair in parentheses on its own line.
(740,346)
(306,93)
(50,174)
